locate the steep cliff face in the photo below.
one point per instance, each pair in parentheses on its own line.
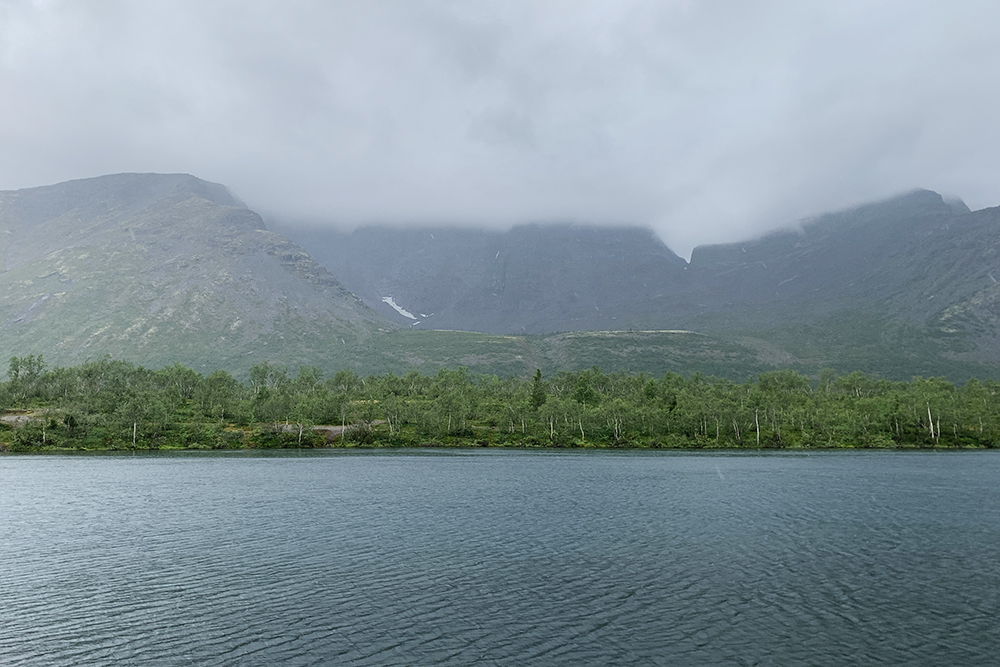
(547,278)
(163,268)
(530,279)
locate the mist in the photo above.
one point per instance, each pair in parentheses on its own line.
(706,121)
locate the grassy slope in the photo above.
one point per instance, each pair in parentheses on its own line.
(653,352)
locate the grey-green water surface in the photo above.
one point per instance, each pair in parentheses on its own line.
(501,558)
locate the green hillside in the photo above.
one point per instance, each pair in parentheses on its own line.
(655,352)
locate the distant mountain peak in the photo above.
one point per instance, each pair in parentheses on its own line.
(926,201)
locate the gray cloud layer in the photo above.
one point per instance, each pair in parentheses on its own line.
(706,120)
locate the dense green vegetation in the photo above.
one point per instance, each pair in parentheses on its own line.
(115,405)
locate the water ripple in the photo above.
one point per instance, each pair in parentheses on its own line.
(500,558)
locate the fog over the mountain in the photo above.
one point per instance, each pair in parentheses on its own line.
(705,120)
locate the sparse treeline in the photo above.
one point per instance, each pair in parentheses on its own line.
(109,404)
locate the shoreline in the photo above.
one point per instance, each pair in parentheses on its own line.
(430,447)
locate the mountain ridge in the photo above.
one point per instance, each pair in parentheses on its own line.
(162,268)
(897,285)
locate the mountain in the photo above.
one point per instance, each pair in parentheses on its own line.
(870,256)
(162,268)
(531,279)
(899,287)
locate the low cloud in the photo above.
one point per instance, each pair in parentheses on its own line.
(708,121)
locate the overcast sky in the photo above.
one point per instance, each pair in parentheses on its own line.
(706,120)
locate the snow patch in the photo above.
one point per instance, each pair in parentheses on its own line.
(399,309)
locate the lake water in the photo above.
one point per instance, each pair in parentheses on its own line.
(501,558)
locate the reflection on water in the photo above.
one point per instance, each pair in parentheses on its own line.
(499,557)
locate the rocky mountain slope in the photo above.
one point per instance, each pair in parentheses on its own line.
(873,256)
(904,286)
(531,279)
(163,268)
